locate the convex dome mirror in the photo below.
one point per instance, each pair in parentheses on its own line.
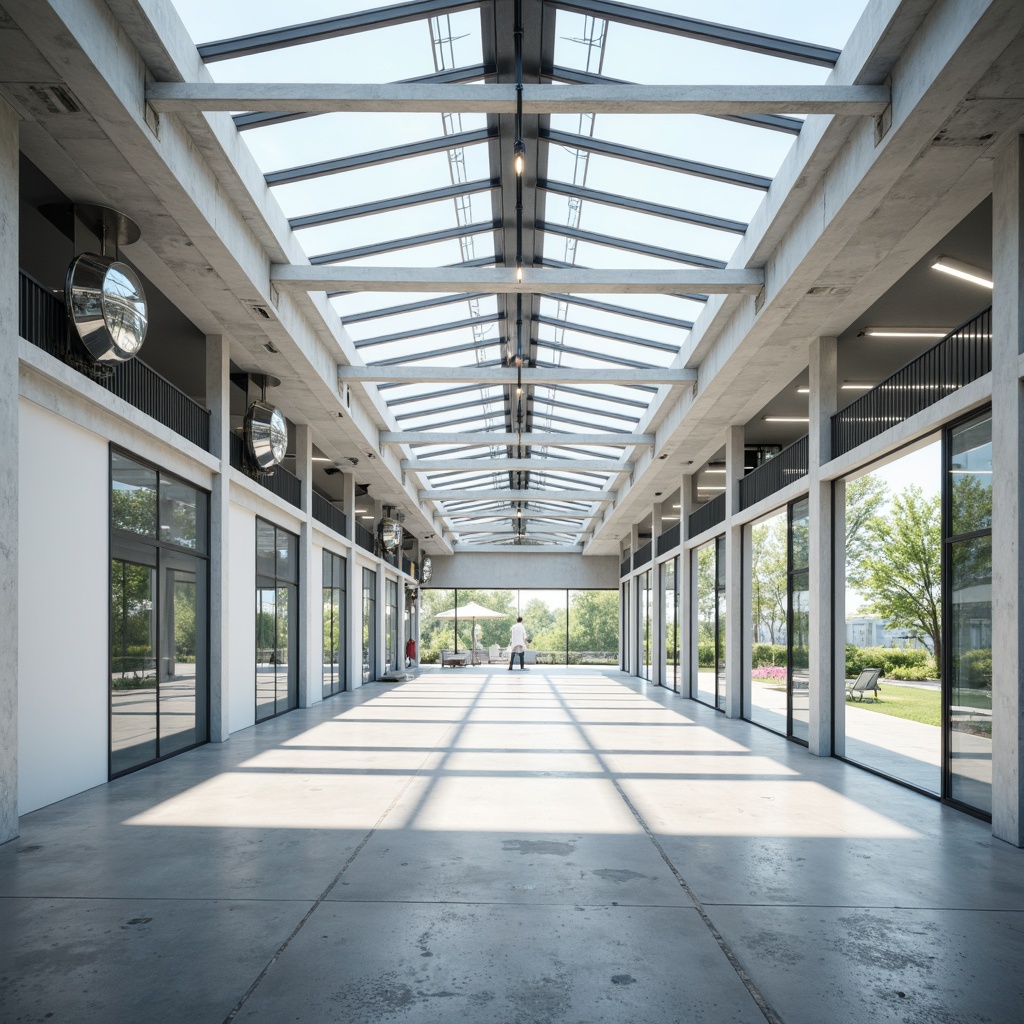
(107,307)
(266,435)
(390,534)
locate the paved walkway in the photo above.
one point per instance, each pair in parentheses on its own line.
(480,846)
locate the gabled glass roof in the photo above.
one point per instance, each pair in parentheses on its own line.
(599,191)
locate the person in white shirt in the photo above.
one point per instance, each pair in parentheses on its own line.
(518,645)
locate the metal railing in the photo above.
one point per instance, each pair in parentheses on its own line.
(42,320)
(333,518)
(364,538)
(282,483)
(962,356)
(771,476)
(642,555)
(709,514)
(669,539)
(625,566)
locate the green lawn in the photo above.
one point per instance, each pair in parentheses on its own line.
(906,702)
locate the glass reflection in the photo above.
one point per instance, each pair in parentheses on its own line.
(133,496)
(970,477)
(182,515)
(799,655)
(181,716)
(705,689)
(670,604)
(133,687)
(266,652)
(769,610)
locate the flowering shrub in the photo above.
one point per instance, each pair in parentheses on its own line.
(772,673)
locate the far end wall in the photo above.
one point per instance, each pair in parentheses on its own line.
(525,570)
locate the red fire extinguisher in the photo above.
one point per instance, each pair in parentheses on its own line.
(410,650)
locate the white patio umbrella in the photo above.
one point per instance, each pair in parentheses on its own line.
(473,611)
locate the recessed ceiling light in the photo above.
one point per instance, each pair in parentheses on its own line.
(717,472)
(366,517)
(786,419)
(965,271)
(709,487)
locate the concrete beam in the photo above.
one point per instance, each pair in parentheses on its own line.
(507,375)
(502,280)
(520,440)
(325,98)
(502,465)
(507,494)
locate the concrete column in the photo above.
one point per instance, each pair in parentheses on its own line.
(310,580)
(218,398)
(8,472)
(687,593)
(1007,495)
(824,390)
(734,655)
(657,604)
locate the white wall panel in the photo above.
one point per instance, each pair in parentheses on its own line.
(241,609)
(63,596)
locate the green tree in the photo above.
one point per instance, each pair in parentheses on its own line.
(900,572)
(706,596)
(594,620)
(768,589)
(866,498)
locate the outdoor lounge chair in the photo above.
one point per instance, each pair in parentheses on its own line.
(866,682)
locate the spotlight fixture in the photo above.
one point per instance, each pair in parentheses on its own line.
(965,271)
(519,157)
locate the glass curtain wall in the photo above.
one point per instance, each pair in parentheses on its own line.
(968,658)
(390,626)
(767,697)
(576,627)
(710,684)
(893,613)
(159,618)
(277,617)
(369,625)
(624,619)
(799,660)
(643,621)
(670,605)
(335,615)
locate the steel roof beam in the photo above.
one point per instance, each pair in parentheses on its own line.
(563,389)
(504,438)
(628,245)
(507,494)
(469,346)
(398,203)
(407,151)
(627,311)
(536,280)
(704,220)
(412,307)
(409,242)
(476,403)
(601,357)
(502,465)
(440,98)
(597,332)
(264,119)
(558,403)
(420,332)
(773,122)
(705,31)
(434,395)
(663,161)
(328,28)
(500,375)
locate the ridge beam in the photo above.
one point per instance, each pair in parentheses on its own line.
(501,375)
(502,465)
(483,437)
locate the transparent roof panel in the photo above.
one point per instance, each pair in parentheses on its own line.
(630,192)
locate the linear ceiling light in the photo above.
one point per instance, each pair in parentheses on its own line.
(904,332)
(965,271)
(786,419)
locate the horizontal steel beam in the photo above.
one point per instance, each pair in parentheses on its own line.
(503,465)
(422,332)
(329,28)
(505,439)
(501,375)
(517,549)
(705,31)
(536,280)
(409,242)
(330,97)
(510,495)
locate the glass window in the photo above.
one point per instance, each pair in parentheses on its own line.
(391,626)
(159,618)
(335,610)
(708,645)
(369,626)
(182,515)
(133,496)
(670,606)
(277,609)
(767,697)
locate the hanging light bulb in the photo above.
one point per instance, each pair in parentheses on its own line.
(519,157)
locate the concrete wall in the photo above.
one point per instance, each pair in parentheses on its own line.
(63,597)
(519,569)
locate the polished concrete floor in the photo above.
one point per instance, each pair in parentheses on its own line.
(486,846)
